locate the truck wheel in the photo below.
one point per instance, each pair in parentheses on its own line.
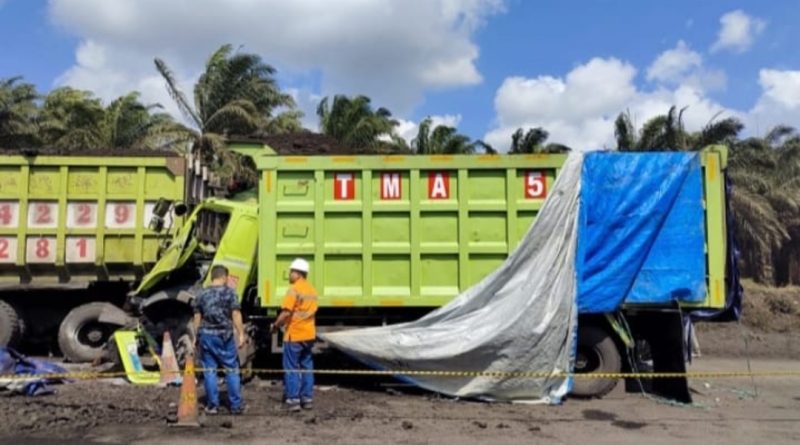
(81,336)
(10,325)
(597,353)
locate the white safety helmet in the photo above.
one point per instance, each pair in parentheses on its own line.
(299,265)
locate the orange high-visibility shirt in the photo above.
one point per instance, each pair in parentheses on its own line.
(301,301)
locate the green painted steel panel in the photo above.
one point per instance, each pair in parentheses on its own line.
(393,230)
(76,219)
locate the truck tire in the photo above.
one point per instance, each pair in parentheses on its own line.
(81,336)
(10,325)
(597,353)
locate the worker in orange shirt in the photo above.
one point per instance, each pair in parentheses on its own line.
(297,316)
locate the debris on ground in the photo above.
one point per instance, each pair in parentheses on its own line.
(14,363)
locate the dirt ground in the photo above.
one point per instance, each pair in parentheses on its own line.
(729,411)
(367,411)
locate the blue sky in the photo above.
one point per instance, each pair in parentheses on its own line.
(487,66)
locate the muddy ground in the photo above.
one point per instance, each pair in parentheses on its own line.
(366,410)
(726,411)
(729,411)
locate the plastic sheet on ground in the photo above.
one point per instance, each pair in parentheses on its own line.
(520,318)
(13,363)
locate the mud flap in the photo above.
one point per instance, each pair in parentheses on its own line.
(128,348)
(663,331)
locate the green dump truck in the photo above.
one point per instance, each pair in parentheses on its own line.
(75,236)
(389,238)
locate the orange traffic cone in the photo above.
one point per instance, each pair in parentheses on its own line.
(187,405)
(170,372)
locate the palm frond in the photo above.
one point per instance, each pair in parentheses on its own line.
(720,132)
(177,95)
(624,132)
(778,133)
(237,116)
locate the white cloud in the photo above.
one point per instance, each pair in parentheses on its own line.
(684,66)
(390,50)
(98,71)
(595,88)
(579,109)
(738,31)
(673,64)
(408,129)
(307,102)
(783,87)
(779,103)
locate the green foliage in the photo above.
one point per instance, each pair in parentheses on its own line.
(70,120)
(533,141)
(444,139)
(237,94)
(354,123)
(18,112)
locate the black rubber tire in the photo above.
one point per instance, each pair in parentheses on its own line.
(10,325)
(601,354)
(77,348)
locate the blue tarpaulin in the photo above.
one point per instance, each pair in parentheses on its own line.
(12,363)
(641,230)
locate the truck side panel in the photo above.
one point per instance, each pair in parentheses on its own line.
(385,231)
(71,220)
(413,231)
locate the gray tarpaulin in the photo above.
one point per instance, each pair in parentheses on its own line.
(522,317)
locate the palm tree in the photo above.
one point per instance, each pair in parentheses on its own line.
(533,141)
(485,147)
(17,113)
(71,119)
(237,94)
(666,132)
(127,123)
(725,131)
(353,122)
(442,140)
(766,204)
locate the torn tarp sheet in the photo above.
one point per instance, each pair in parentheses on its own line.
(12,363)
(617,228)
(522,317)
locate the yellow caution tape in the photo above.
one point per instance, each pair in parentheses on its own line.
(89,375)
